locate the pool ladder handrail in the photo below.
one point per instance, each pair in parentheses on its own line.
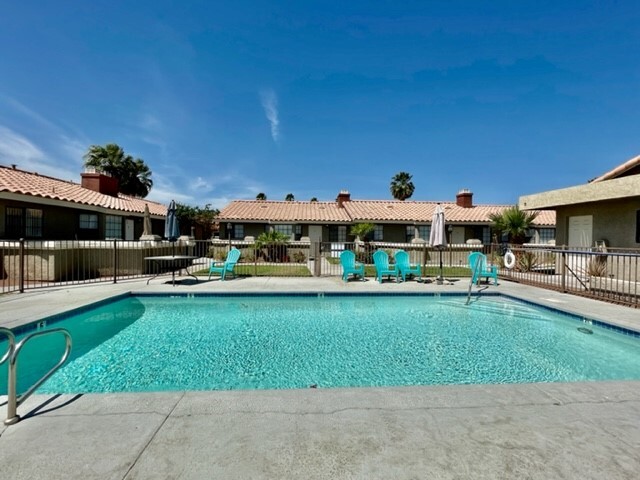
(13,401)
(473,277)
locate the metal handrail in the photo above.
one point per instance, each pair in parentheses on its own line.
(12,343)
(473,277)
(13,401)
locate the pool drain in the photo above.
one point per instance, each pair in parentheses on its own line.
(588,331)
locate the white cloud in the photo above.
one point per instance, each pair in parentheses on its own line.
(270,104)
(16,149)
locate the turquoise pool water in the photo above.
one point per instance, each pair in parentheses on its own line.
(258,342)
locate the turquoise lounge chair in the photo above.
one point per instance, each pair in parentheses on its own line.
(381,261)
(350,266)
(405,267)
(481,268)
(228,266)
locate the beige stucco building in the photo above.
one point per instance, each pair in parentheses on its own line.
(607,209)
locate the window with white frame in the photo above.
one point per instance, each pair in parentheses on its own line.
(425,232)
(378,233)
(89,221)
(546,234)
(286,229)
(113,227)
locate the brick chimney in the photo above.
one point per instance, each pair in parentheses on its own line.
(464,198)
(99,182)
(343,196)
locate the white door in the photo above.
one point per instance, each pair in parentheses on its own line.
(580,237)
(128,229)
(580,231)
(315,233)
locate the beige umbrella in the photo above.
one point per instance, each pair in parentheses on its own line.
(438,235)
(146,226)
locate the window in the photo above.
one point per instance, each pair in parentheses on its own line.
(113,227)
(486,235)
(286,229)
(13,222)
(425,232)
(546,234)
(33,222)
(337,233)
(378,233)
(89,221)
(238,231)
(23,222)
(297,230)
(638,226)
(409,233)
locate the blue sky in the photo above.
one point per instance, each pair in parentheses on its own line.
(224,100)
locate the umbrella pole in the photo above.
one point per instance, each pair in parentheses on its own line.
(173,271)
(440,278)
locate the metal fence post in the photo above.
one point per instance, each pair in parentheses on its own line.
(563,269)
(21,259)
(317,261)
(115,260)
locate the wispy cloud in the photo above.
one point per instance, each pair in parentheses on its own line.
(269,102)
(16,149)
(19,150)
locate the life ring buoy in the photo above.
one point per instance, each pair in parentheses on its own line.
(509,260)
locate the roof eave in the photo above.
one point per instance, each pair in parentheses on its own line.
(614,189)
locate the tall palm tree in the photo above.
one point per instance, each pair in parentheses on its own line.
(514,222)
(401,186)
(289,197)
(134,176)
(261,196)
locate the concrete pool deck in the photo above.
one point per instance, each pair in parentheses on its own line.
(537,431)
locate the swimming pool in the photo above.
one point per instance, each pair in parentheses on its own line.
(158,343)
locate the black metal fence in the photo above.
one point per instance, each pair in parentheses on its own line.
(612,275)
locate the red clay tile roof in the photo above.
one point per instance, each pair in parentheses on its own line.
(620,170)
(35,185)
(388,211)
(273,211)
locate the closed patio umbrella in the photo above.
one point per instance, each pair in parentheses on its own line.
(438,235)
(171,227)
(146,225)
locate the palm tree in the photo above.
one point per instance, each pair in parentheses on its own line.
(514,222)
(134,176)
(261,196)
(401,186)
(361,230)
(313,199)
(289,197)
(275,245)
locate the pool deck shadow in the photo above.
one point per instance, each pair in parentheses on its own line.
(535,431)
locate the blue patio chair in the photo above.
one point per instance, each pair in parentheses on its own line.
(350,266)
(405,267)
(228,266)
(381,261)
(478,261)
